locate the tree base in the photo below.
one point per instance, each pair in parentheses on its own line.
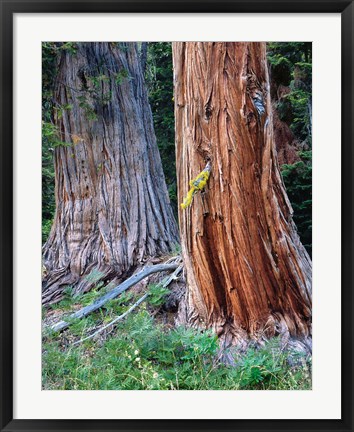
(234,338)
(55,284)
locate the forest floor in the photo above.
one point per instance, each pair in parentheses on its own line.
(146,351)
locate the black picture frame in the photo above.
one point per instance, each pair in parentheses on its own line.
(8,9)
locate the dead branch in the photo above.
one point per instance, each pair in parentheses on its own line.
(119,318)
(133,280)
(123,315)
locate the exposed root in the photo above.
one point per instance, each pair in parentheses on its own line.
(233,338)
(55,283)
(134,306)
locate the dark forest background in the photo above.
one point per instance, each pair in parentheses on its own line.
(290,66)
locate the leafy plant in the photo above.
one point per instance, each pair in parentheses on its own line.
(89,110)
(157,294)
(49,135)
(122,76)
(258,368)
(159,81)
(191,344)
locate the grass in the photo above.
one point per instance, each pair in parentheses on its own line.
(141,354)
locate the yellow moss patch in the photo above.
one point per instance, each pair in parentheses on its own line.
(196,184)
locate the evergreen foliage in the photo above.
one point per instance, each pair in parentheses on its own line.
(291,66)
(140,353)
(298,181)
(49,137)
(159,80)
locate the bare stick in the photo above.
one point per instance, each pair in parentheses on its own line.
(172,277)
(133,280)
(120,317)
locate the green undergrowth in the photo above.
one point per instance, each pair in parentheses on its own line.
(141,353)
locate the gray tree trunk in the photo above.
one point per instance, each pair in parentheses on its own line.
(112,205)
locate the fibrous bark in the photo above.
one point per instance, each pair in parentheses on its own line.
(248,275)
(112,205)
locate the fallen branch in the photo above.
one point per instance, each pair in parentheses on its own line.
(133,280)
(174,276)
(120,317)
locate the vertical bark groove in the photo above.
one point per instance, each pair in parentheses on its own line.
(110,187)
(248,274)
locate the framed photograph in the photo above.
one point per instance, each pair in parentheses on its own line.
(176,215)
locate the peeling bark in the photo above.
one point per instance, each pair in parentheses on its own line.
(248,275)
(112,205)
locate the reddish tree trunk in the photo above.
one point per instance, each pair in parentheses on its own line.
(248,275)
(286,145)
(112,205)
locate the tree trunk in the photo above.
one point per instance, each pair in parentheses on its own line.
(248,275)
(112,205)
(287,146)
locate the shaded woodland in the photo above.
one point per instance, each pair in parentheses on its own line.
(177,215)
